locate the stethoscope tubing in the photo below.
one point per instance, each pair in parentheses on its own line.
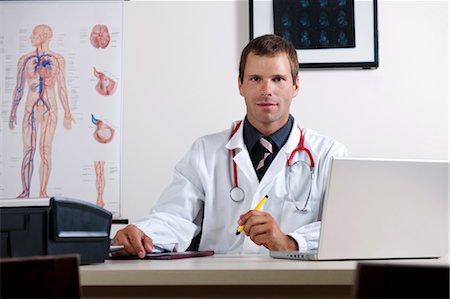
(238,195)
(233,152)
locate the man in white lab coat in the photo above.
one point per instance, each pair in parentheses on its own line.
(224,175)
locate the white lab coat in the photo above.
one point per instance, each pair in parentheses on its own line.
(203,180)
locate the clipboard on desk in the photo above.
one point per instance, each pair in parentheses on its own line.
(167,255)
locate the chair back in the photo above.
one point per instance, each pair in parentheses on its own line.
(40,277)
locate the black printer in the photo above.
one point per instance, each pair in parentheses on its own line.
(53,226)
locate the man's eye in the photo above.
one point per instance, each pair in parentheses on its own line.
(278,79)
(255,79)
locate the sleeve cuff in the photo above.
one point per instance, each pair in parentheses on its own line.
(301,241)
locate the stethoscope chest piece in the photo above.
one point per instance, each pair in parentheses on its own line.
(237,194)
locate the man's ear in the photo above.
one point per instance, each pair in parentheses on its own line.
(240,85)
(297,86)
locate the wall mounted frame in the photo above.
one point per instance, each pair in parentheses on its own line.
(363,55)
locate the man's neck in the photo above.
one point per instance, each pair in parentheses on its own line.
(42,49)
(268,129)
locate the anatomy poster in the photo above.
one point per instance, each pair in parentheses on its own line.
(61,96)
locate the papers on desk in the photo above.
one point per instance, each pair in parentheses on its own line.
(115,248)
(168,255)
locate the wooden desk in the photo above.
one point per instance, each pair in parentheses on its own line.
(222,276)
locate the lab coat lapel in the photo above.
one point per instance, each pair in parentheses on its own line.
(242,158)
(292,144)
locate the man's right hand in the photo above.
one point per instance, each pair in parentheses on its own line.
(12,120)
(134,240)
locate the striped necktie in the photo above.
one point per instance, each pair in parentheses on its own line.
(268,151)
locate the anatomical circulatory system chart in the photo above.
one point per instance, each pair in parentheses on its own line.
(61,100)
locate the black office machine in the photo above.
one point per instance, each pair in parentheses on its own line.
(32,227)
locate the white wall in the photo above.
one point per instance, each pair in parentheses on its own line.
(180,82)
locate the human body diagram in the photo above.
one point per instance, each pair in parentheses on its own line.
(41,75)
(50,146)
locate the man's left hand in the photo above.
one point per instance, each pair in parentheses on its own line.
(263,230)
(68,119)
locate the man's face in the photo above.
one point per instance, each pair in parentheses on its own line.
(268,90)
(40,34)
(36,38)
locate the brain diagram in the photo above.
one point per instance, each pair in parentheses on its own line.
(100,37)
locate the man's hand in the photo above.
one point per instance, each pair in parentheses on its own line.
(68,119)
(263,230)
(134,240)
(12,120)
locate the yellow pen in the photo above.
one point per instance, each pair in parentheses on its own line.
(257,208)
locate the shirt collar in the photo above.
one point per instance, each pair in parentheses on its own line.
(279,138)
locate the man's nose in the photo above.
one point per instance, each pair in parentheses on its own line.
(266,88)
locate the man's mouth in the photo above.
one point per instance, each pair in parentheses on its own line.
(266,104)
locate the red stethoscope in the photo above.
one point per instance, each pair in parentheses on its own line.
(236,193)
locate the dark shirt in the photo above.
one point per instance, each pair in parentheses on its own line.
(256,151)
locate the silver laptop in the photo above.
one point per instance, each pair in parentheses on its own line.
(382,209)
